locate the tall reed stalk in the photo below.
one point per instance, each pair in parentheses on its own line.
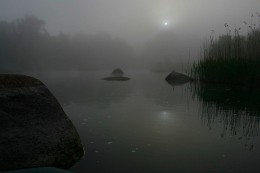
(230,59)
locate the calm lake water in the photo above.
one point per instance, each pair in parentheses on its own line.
(146,125)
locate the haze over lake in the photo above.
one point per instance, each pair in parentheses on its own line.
(138,26)
(135,121)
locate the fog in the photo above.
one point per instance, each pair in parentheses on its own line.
(105,34)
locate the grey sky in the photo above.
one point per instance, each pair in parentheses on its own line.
(134,20)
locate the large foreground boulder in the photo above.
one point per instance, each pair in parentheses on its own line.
(34,130)
(175,78)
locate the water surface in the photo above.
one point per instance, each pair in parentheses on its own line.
(146,125)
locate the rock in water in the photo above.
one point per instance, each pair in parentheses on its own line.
(117,72)
(116,78)
(117,75)
(34,130)
(175,78)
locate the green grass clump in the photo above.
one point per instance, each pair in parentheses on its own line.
(231,59)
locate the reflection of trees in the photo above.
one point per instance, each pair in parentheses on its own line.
(236,109)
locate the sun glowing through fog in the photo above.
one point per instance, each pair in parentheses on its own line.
(165,24)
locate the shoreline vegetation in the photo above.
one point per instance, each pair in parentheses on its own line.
(231,59)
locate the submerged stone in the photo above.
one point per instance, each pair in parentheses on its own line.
(34,130)
(175,78)
(116,78)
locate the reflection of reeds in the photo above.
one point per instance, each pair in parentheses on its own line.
(237,110)
(233,122)
(230,59)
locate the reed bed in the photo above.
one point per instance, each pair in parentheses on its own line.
(230,59)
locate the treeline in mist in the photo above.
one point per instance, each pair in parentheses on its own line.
(165,52)
(25,45)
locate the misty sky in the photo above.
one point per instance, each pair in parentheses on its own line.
(134,20)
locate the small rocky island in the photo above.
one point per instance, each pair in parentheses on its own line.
(34,130)
(117,72)
(175,78)
(117,75)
